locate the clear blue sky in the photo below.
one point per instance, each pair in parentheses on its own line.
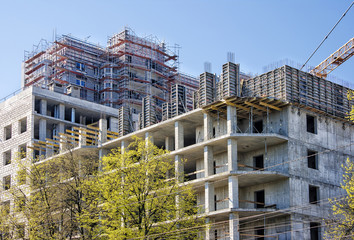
(258,31)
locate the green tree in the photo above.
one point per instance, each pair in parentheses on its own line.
(341,225)
(138,195)
(47,197)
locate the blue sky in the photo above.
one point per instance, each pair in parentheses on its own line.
(259,32)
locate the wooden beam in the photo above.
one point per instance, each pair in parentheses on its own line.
(52,140)
(256,106)
(86,130)
(68,135)
(94,128)
(34,148)
(269,105)
(236,105)
(218,109)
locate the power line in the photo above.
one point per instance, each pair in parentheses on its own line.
(327,35)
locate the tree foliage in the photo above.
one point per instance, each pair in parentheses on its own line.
(47,197)
(137,196)
(341,226)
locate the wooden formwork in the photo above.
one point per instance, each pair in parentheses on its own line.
(298,87)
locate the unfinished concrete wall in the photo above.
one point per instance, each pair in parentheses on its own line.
(17,121)
(275,193)
(274,155)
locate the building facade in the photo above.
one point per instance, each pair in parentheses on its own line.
(263,154)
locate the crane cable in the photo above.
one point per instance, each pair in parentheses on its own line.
(328,35)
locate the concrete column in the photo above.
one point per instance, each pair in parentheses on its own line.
(231,119)
(60,127)
(179,168)
(149,136)
(72,114)
(43,107)
(113,123)
(61,111)
(102,136)
(42,129)
(82,138)
(179,135)
(49,151)
(208,229)
(209,197)
(123,146)
(169,143)
(233,192)
(233,226)
(101,153)
(208,161)
(208,127)
(232,155)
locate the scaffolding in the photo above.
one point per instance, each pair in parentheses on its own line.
(121,74)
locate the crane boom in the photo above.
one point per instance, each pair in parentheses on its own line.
(336,59)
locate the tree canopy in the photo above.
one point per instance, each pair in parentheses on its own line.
(130,193)
(138,195)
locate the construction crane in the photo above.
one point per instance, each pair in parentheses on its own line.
(335,60)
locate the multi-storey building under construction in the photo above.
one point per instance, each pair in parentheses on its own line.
(263,154)
(129,69)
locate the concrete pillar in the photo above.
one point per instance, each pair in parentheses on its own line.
(209,197)
(101,153)
(49,151)
(102,136)
(42,129)
(208,127)
(113,123)
(123,146)
(149,136)
(231,119)
(208,161)
(208,229)
(169,143)
(72,114)
(233,192)
(233,226)
(179,135)
(43,107)
(179,168)
(60,127)
(61,111)
(82,138)
(232,155)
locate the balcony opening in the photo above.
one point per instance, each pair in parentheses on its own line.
(22,149)
(259,232)
(313,194)
(7,182)
(259,199)
(258,126)
(311,125)
(8,132)
(7,157)
(6,208)
(312,161)
(215,203)
(258,162)
(23,125)
(315,230)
